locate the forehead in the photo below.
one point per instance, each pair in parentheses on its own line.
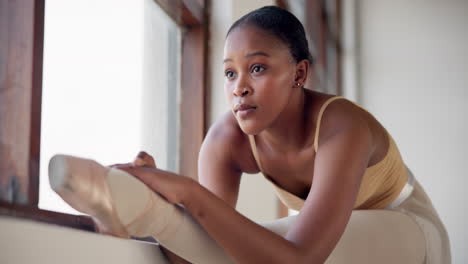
(246,39)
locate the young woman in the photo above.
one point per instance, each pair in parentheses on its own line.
(325,155)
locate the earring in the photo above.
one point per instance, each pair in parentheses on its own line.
(298,84)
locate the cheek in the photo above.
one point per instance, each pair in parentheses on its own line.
(285,78)
(278,85)
(228,91)
(276,92)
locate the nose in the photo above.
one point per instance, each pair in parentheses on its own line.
(241,92)
(242,89)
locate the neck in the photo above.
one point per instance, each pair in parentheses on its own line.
(288,131)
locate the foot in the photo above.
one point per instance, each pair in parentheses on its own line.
(82,183)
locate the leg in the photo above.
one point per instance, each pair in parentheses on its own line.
(123,206)
(371,236)
(380,236)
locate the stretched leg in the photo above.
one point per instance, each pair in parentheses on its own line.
(124,206)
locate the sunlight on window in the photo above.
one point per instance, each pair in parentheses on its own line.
(110,85)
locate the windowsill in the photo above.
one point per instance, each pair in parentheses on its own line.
(26,241)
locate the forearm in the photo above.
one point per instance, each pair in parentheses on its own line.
(244,240)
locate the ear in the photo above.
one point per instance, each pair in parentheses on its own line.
(302,71)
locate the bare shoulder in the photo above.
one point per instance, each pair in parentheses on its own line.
(343,115)
(226,140)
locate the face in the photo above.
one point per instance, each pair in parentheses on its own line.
(259,77)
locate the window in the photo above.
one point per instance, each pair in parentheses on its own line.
(110,85)
(87,71)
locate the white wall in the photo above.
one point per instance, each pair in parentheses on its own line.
(413,76)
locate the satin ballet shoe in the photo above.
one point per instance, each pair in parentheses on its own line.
(119,203)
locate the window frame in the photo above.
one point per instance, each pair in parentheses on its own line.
(21,69)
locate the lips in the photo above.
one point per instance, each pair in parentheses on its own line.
(243,107)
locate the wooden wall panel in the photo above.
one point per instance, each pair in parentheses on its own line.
(186,13)
(191,16)
(193,99)
(21,42)
(33,213)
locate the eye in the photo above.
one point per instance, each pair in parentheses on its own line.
(257,68)
(229,74)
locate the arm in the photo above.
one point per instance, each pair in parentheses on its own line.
(217,170)
(218,163)
(337,176)
(321,222)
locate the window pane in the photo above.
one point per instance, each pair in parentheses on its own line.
(161,82)
(110,85)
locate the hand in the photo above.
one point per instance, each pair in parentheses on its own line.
(143,159)
(175,188)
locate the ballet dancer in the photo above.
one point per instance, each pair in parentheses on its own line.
(326,156)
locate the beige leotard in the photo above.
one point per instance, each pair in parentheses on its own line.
(381,183)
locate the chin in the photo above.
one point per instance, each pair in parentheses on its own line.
(249,127)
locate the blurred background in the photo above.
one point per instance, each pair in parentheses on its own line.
(123,76)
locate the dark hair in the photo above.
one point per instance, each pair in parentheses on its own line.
(282,24)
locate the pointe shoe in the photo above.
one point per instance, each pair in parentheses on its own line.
(119,203)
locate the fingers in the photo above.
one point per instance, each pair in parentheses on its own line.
(143,159)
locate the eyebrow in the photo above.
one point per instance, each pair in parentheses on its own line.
(258,53)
